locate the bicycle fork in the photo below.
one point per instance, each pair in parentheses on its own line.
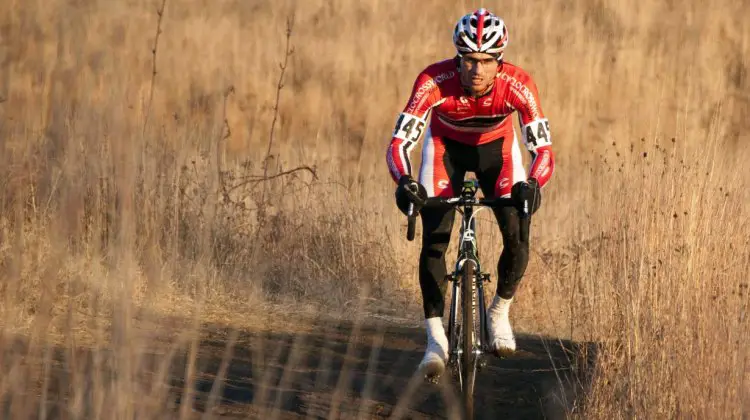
(454,332)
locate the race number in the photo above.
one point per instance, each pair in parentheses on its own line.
(536,134)
(409,127)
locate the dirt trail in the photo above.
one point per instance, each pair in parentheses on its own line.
(344,370)
(331,370)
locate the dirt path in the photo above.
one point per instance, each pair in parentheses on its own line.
(344,370)
(324,370)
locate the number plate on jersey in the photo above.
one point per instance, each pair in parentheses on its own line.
(409,127)
(536,134)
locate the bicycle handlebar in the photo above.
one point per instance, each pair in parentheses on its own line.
(436,202)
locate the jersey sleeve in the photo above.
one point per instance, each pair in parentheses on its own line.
(411,124)
(535,130)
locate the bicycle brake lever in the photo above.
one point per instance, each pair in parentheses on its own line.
(524,210)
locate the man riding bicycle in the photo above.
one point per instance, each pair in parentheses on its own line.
(471,97)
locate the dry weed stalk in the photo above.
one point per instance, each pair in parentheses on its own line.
(154,49)
(288,51)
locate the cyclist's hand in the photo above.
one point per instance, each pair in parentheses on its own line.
(410,191)
(527,195)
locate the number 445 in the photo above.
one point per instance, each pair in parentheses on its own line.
(411,127)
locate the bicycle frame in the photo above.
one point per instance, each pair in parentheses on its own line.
(468,253)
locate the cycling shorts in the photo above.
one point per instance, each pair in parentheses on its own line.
(497,164)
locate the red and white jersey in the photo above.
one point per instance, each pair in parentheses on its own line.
(458,116)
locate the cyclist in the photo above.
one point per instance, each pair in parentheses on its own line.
(470,98)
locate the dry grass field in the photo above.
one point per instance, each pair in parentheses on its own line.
(161,187)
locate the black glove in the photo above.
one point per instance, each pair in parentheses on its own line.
(527,195)
(410,191)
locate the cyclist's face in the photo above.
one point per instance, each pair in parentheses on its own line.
(478,71)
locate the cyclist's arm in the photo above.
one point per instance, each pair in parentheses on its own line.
(535,130)
(411,124)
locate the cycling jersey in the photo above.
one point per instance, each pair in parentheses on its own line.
(458,116)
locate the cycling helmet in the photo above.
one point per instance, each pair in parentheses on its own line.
(481,31)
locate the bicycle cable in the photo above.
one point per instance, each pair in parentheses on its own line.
(466,228)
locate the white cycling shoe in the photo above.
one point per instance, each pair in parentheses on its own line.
(501,334)
(433,362)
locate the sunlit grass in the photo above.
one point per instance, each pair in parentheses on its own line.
(107,231)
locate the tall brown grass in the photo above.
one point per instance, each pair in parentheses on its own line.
(641,243)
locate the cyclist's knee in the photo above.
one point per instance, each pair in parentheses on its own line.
(436,232)
(434,250)
(520,249)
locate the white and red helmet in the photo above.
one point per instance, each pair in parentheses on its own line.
(482,32)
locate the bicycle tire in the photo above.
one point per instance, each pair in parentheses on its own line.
(468,368)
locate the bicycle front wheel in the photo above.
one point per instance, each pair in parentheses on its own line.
(468,357)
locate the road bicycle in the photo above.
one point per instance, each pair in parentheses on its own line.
(468,334)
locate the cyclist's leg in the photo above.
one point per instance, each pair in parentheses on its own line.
(510,269)
(515,256)
(515,231)
(500,167)
(435,174)
(498,175)
(438,174)
(436,230)
(489,166)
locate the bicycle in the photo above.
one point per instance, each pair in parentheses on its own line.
(466,346)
